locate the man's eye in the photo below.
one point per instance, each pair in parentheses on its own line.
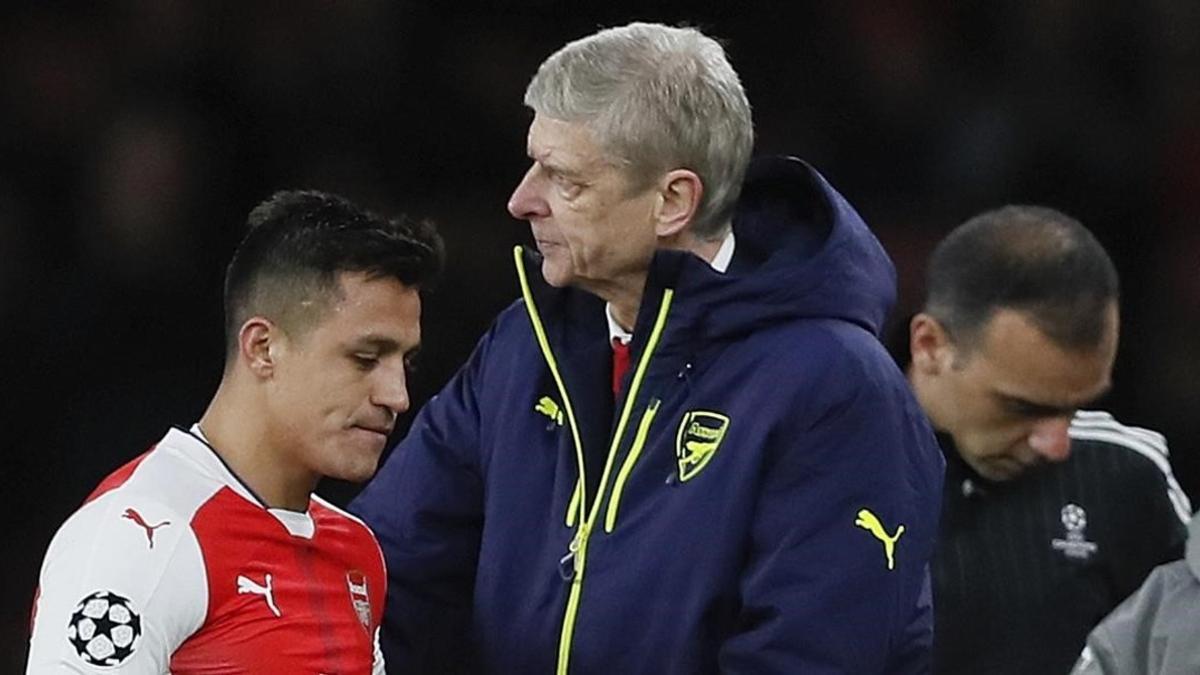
(1035,411)
(365,361)
(566,186)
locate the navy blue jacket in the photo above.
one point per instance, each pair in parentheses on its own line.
(761,498)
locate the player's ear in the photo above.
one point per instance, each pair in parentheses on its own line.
(257,340)
(929,344)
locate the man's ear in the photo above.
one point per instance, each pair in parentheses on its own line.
(258,343)
(679,194)
(930,345)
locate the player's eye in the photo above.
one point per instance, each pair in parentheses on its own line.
(365,361)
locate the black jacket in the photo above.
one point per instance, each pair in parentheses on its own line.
(1024,569)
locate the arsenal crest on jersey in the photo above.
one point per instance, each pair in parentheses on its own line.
(357,583)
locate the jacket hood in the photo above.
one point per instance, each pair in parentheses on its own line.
(802,252)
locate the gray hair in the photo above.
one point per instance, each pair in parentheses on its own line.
(657,98)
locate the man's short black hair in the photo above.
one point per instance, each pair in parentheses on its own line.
(298,242)
(1030,259)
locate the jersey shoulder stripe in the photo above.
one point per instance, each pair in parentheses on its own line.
(1100,426)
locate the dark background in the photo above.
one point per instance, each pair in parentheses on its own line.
(134,139)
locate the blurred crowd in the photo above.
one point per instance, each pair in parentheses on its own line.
(135,135)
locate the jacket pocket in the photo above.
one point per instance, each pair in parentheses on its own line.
(639,440)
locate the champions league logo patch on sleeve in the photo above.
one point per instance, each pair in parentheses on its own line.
(105,630)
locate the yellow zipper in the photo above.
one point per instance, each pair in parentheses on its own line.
(639,441)
(578,548)
(585,528)
(539,332)
(575,506)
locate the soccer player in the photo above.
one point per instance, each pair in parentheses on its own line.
(684,450)
(1051,515)
(210,553)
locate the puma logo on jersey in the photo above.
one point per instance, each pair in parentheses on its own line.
(549,408)
(246,585)
(131,514)
(870,522)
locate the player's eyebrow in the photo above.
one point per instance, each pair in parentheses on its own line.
(379,343)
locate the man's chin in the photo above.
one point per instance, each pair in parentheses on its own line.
(554,275)
(357,472)
(997,470)
(1005,470)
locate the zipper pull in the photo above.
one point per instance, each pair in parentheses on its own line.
(567,564)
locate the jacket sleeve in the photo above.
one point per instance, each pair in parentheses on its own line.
(1153,631)
(837,572)
(426,508)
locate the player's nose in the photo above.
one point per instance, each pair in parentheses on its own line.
(391,392)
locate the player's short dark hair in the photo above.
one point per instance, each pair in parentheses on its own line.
(1032,259)
(298,242)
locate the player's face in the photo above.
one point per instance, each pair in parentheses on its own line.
(1009,401)
(338,387)
(591,225)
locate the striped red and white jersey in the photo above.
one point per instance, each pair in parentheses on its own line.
(173,565)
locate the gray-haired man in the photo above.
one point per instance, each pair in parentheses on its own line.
(679,452)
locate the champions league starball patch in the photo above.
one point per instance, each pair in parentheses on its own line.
(105,630)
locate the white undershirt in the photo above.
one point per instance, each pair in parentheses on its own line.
(720,263)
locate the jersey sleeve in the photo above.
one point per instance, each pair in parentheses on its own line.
(121,587)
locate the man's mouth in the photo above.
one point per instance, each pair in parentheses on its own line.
(382,431)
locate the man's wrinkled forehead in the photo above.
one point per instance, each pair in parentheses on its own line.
(549,138)
(566,146)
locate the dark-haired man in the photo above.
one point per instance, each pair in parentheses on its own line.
(1051,515)
(210,553)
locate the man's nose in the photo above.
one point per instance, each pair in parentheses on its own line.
(391,392)
(525,202)
(1049,438)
